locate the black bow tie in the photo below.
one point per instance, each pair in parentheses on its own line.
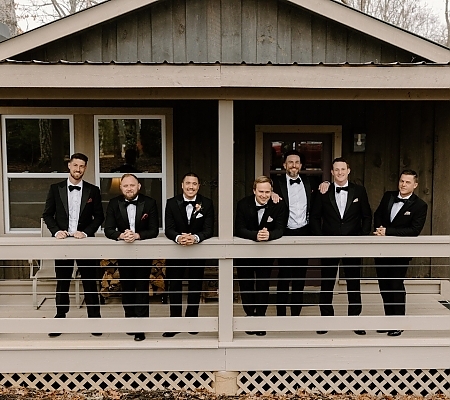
(339,188)
(399,200)
(186,203)
(134,202)
(261,207)
(292,181)
(72,187)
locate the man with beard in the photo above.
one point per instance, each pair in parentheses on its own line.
(129,217)
(74,209)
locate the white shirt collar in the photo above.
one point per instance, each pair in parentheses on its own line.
(80,184)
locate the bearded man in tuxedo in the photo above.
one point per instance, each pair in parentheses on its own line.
(400,213)
(73,209)
(129,217)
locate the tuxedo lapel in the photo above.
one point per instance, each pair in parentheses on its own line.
(389,208)
(64,197)
(195,212)
(84,196)
(182,209)
(409,203)
(350,197)
(284,190)
(139,212)
(123,212)
(307,185)
(332,195)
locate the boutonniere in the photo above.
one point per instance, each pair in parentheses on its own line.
(90,200)
(356,200)
(407,213)
(269,219)
(198,207)
(145,216)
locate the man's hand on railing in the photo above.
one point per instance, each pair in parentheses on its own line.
(61,234)
(263,235)
(380,231)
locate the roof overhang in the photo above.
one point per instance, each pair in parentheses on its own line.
(156,81)
(326,8)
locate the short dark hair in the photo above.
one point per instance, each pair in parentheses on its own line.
(293,153)
(79,156)
(410,172)
(127,175)
(190,174)
(340,159)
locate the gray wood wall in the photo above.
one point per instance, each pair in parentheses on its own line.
(228,31)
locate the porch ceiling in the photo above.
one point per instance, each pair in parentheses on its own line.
(224,81)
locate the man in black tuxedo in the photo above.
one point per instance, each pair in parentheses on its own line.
(297,194)
(74,209)
(343,211)
(400,213)
(129,217)
(258,218)
(189,220)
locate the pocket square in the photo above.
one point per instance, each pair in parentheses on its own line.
(356,200)
(199,215)
(270,219)
(145,216)
(89,200)
(407,213)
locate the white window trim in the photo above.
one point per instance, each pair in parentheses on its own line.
(164,152)
(28,175)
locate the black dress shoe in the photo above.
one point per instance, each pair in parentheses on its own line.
(360,332)
(131,333)
(382,331)
(260,333)
(139,337)
(395,333)
(321,332)
(170,334)
(193,333)
(54,334)
(250,332)
(97,334)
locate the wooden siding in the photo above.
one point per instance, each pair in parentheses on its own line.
(228,31)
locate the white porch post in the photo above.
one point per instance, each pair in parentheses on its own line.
(225,210)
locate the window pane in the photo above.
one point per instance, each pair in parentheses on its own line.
(130,145)
(37,145)
(150,186)
(27,200)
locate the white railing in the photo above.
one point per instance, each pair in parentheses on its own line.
(225,323)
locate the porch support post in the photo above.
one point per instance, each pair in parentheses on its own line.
(225,211)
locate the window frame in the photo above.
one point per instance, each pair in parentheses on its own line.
(28,175)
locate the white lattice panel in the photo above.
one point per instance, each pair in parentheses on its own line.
(102,381)
(381,382)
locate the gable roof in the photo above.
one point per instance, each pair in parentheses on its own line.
(328,9)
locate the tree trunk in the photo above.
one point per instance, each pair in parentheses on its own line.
(8,15)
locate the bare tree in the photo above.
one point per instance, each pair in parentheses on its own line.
(447,21)
(411,15)
(8,15)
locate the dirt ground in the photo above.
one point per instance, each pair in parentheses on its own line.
(33,394)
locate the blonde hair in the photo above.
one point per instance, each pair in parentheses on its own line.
(262,179)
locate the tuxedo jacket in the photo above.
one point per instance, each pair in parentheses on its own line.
(280,187)
(146,222)
(357,220)
(202,218)
(246,224)
(409,221)
(56,211)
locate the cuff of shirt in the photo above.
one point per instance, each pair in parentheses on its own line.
(197,239)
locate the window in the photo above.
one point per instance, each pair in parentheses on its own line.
(131,144)
(36,150)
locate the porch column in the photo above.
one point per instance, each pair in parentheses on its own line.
(225,211)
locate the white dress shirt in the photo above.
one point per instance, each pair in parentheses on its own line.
(74,200)
(297,204)
(396,207)
(131,211)
(341,198)
(261,211)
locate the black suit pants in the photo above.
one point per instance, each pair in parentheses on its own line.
(175,271)
(88,272)
(352,271)
(292,269)
(135,281)
(254,280)
(391,273)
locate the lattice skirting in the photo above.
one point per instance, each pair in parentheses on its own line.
(374,382)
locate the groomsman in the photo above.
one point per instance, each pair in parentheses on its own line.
(343,211)
(189,220)
(258,218)
(74,209)
(400,213)
(297,194)
(129,217)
